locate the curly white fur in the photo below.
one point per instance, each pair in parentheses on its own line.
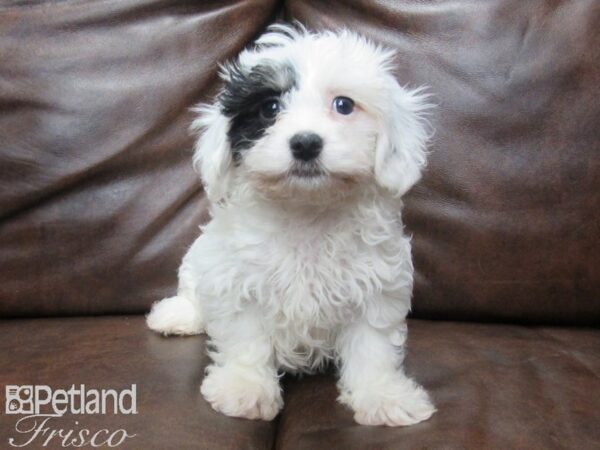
(291,274)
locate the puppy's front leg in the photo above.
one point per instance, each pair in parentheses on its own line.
(242,381)
(373,383)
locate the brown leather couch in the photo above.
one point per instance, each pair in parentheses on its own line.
(98,202)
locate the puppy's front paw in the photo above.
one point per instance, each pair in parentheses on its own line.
(242,392)
(399,402)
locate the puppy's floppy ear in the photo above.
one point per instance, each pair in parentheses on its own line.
(212,156)
(401,146)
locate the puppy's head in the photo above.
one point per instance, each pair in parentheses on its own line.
(311,118)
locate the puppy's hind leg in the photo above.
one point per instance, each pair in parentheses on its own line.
(181,314)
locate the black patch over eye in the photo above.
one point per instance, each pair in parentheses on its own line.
(270,108)
(343,105)
(251,99)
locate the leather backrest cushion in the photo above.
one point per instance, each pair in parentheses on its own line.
(505,222)
(98,200)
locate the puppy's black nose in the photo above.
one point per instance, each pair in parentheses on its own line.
(306,145)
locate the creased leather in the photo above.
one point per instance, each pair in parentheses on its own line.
(98,200)
(505,222)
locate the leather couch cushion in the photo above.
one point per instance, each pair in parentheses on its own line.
(495,387)
(114,353)
(505,221)
(98,200)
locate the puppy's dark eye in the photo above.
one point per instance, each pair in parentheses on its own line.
(343,105)
(270,108)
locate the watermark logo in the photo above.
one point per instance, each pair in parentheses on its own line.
(19,400)
(39,407)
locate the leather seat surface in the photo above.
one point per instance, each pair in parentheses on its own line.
(495,387)
(115,352)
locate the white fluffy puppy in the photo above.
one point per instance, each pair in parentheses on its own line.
(304,156)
